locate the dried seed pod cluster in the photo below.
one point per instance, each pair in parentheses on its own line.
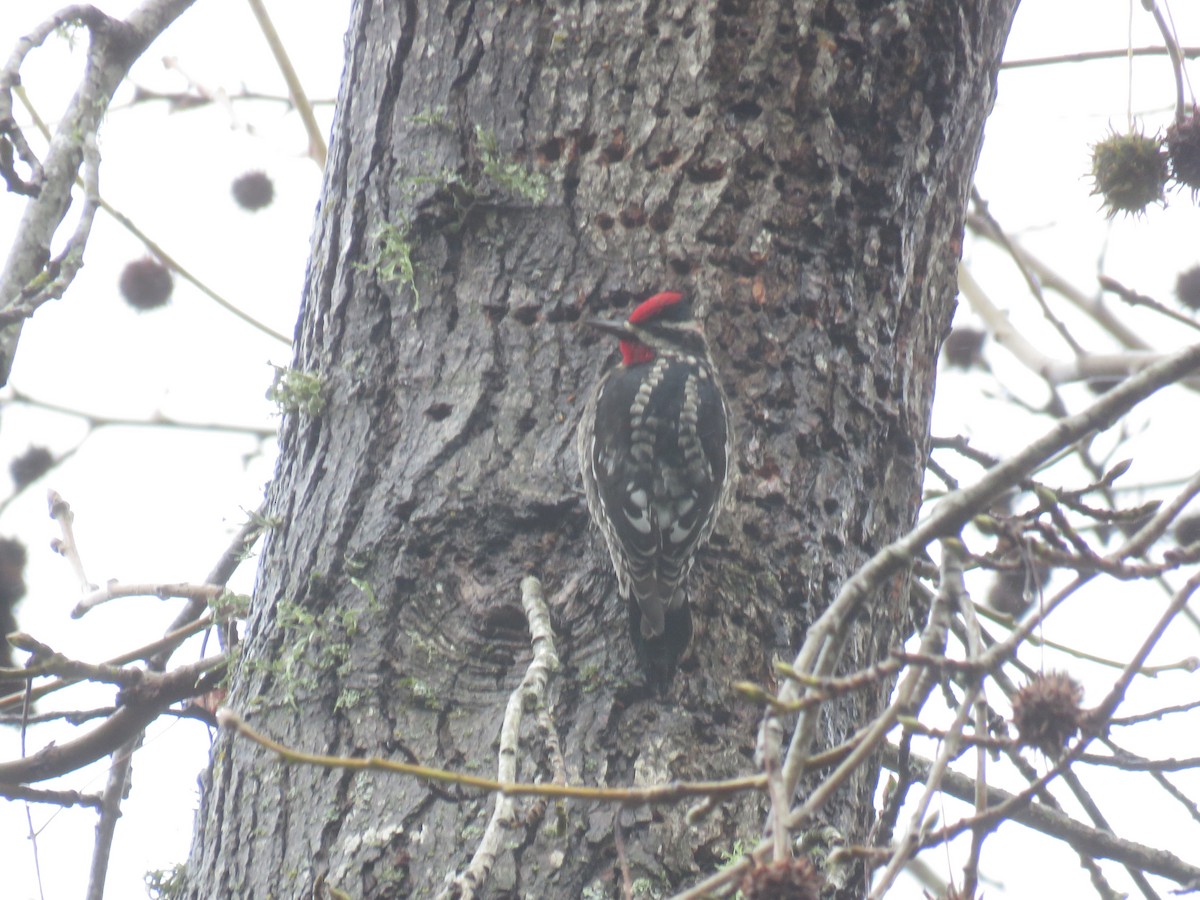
(1048,712)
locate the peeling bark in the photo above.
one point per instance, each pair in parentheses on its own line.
(802,170)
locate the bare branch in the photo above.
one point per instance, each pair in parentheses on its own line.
(202,593)
(1055,371)
(316,140)
(1035,287)
(951,595)
(825,637)
(1081,838)
(142,706)
(1052,280)
(1093,55)
(1175,53)
(169,641)
(114,46)
(1133,298)
(110,812)
(186,274)
(70,716)
(154,421)
(531,693)
(57,798)
(153,246)
(1100,821)
(632,796)
(48,662)
(1155,714)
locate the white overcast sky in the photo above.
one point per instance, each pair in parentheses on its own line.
(160,505)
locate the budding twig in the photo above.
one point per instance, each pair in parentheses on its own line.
(60,511)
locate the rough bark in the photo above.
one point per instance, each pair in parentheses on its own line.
(802,170)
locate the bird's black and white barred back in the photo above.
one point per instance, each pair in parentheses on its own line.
(654,451)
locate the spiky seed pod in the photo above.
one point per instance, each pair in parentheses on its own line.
(784,879)
(1129,171)
(1187,288)
(1010,593)
(146,284)
(1047,712)
(30,466)
(253,191)
(1183,152)
(12,572)
(1187,529)
(963,348)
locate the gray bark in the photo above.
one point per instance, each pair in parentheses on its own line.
(799,168)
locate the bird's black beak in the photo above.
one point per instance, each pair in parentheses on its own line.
(618,329)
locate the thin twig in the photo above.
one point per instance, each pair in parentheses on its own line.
(622,860)
(114,45)
(1053,371)
(143,703)
(1133,298)
(951,593)
(49,662)
(1176,56)
(1041,817)
(1050,279)
(1096,719)
(70,716)
(1029,773)
(316,141)
(1155,769)
(823,641)
(1155,714)
(1035,287)
(975,646)
(1093,55)
(780,833)
(178,268)
(1100,821)
(639,796)
(156,420)
(170,640)
(196,97)
(56,798)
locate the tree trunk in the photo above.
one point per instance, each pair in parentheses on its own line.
(801,170)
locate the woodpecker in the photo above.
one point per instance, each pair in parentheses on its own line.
(654,450)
